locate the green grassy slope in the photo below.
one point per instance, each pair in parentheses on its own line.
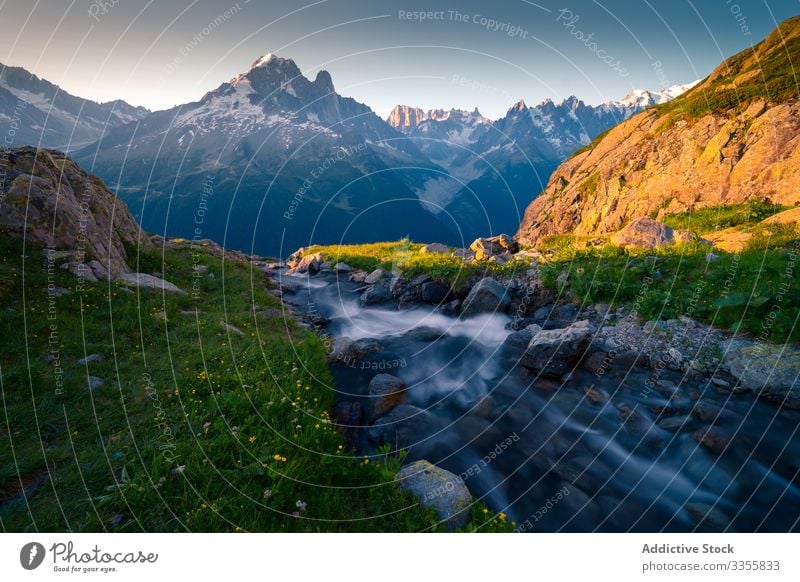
(754,291)
(197,428)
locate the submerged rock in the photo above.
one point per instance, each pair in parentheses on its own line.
(452,307)
(709,519)
(376,294)
(486,296)
(386,392)
(438,489)
(347,351)
(675,423)
(714,439)
(402,427)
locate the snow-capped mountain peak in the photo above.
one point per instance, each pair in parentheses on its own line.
(272,95)
(646,98)
(676,90)
(263,61)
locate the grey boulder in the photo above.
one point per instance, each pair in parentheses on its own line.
(439,490)
(376,294)
(145,281)
(402,427)
(555,352)
(386,392)
(771,371)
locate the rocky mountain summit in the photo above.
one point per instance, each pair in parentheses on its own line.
(732,137)
(405,118)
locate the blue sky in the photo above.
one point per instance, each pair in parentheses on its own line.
(463,54)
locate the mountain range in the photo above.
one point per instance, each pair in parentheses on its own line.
(272,160)
(36,112)
(494,169)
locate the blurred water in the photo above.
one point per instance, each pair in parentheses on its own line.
(616,468)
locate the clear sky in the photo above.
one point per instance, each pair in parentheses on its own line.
(465,54)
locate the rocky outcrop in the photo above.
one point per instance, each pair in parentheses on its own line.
(51,202)
(708,147)
(438,489)
(299,262)
(404,117)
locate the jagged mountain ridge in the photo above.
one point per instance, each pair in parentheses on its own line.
(36,112)
(548,116)
(499,166)
(734,136)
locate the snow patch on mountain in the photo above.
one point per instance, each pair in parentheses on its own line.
(233,111)
(262,61)
(643,98)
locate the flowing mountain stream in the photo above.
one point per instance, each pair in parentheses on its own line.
(597,452)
